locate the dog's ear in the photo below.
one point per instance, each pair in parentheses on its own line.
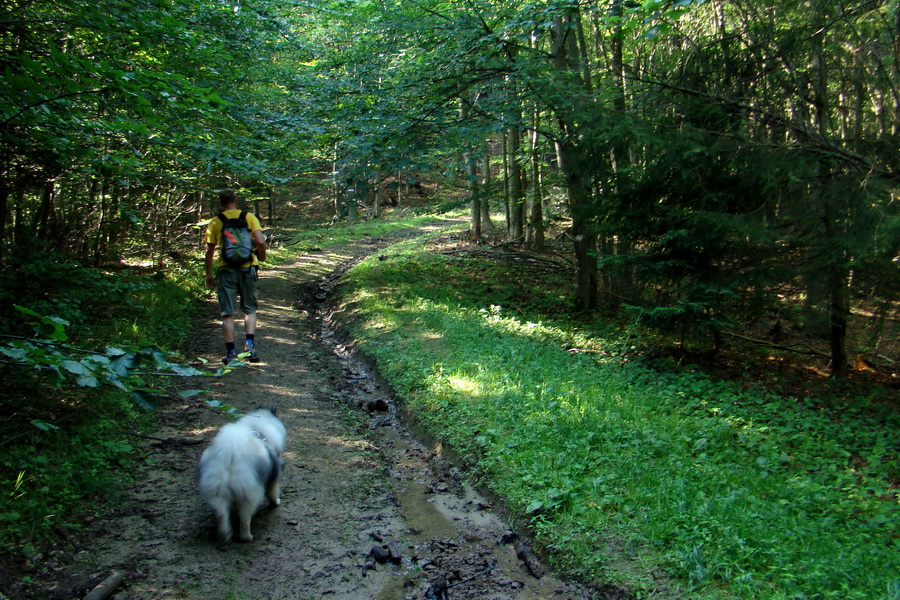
(274,410)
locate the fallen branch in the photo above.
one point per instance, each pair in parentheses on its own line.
(172,441)
(535,263)
(468,579)
(439,590)
(531,561)
(106,588)
(809,350)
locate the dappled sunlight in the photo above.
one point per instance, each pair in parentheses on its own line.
(464,385)
(348,442)
(202,431)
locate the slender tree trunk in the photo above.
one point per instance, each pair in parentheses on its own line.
(4,208)
(487,225)
(516,189)
(584,240)
(379,195)
(574,164)
(19,214)
(336,189)
(620,280)
(506,196)
(100,216)
(535,197)
(835,217)
(44,214)
(471,178)
(840,310)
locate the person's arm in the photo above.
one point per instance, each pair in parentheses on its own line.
(260,245)
(210,259)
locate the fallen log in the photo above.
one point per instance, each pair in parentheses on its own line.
(107,587)
(394,553)
(531,561)
(438,590)
(379,554)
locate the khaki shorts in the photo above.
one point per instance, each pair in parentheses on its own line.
(231,283)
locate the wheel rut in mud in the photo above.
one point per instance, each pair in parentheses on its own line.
(368,512)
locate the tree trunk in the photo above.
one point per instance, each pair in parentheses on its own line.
(4,207)
(516,189)
(379,195)
(535,196)
(840,310)
(100,245)
(584,240)
(43,216)
(574,164)
(471,178)
(487,225)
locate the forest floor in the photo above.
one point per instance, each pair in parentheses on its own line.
(355,478)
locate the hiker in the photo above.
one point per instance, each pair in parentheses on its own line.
(240,238)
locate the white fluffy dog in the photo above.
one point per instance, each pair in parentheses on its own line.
(241,469)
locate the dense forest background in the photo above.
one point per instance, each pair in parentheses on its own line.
(710,177)
(718,165)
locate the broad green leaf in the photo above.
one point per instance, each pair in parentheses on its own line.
(87,380)
(144,399)
(75,367)
(184,370)
(44,425)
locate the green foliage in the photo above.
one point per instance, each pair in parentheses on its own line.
(70,411)
(47,358)
(734,491)
(53,476)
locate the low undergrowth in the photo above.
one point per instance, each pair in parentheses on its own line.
(72,399)
(662,480)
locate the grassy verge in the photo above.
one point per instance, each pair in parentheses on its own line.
(660,480)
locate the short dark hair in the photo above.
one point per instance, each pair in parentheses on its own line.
(227,197)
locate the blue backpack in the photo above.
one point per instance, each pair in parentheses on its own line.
(237,243)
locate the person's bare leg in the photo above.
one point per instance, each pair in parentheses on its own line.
(228,328)
(249,324)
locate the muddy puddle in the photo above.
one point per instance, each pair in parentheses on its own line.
(453,544)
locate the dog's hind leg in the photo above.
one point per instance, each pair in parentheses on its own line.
(273,482)
(273,493)
(245,514)
(223,518)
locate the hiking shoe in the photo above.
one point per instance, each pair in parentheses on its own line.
(231,356)
(250,350)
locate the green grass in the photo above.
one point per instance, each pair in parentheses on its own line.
(52,475)
(625,470)
(318,236)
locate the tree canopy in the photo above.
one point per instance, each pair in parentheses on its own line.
(714,157)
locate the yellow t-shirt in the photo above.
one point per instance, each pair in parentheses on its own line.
(214,232)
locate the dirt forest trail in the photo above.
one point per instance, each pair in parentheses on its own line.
(354,479)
